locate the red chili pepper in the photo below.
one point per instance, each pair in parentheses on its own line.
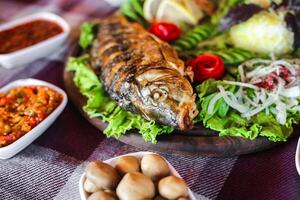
(207,66)
(166,31)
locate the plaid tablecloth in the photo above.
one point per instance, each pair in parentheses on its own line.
(50,167)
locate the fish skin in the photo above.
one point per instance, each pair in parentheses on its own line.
(143,74)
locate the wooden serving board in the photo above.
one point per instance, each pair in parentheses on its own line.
(198,141)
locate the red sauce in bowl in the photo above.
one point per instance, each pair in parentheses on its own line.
(27,34)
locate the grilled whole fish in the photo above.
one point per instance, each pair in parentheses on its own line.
(143,74)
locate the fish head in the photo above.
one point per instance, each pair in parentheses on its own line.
(168,97)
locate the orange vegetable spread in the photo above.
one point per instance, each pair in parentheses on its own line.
(22,108)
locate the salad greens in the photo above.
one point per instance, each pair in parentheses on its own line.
(99,104)
(230,123)
(87,34)
(230,56)
(133,10)
(192,38)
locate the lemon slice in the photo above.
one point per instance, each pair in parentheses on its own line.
(193,9)
(150,8)
(175,12)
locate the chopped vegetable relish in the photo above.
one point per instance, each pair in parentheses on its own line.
(22,108)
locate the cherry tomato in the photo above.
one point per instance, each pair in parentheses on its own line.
(166,31)
(207,66)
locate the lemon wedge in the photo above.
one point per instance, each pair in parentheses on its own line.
(175,12)
(150,8)
(193,8)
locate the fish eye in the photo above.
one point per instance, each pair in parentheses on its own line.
(159,93)
(156,95)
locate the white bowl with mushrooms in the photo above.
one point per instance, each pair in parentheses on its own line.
(134,176)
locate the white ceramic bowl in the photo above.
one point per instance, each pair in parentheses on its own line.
(15,147)
(112,162)
(38,50)
(297,157)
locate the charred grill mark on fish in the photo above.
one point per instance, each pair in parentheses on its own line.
(113,69)
(143,74)
(114,49)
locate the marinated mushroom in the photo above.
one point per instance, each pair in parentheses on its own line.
(102,175)
(172,187)
(90,187)
(127,164)
(135,185)
(101,195)
(154,166)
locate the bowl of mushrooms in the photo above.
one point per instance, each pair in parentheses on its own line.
(134,176)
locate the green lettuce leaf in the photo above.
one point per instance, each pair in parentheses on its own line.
(86,34)
(99,104)
(133,11)
(228,122)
